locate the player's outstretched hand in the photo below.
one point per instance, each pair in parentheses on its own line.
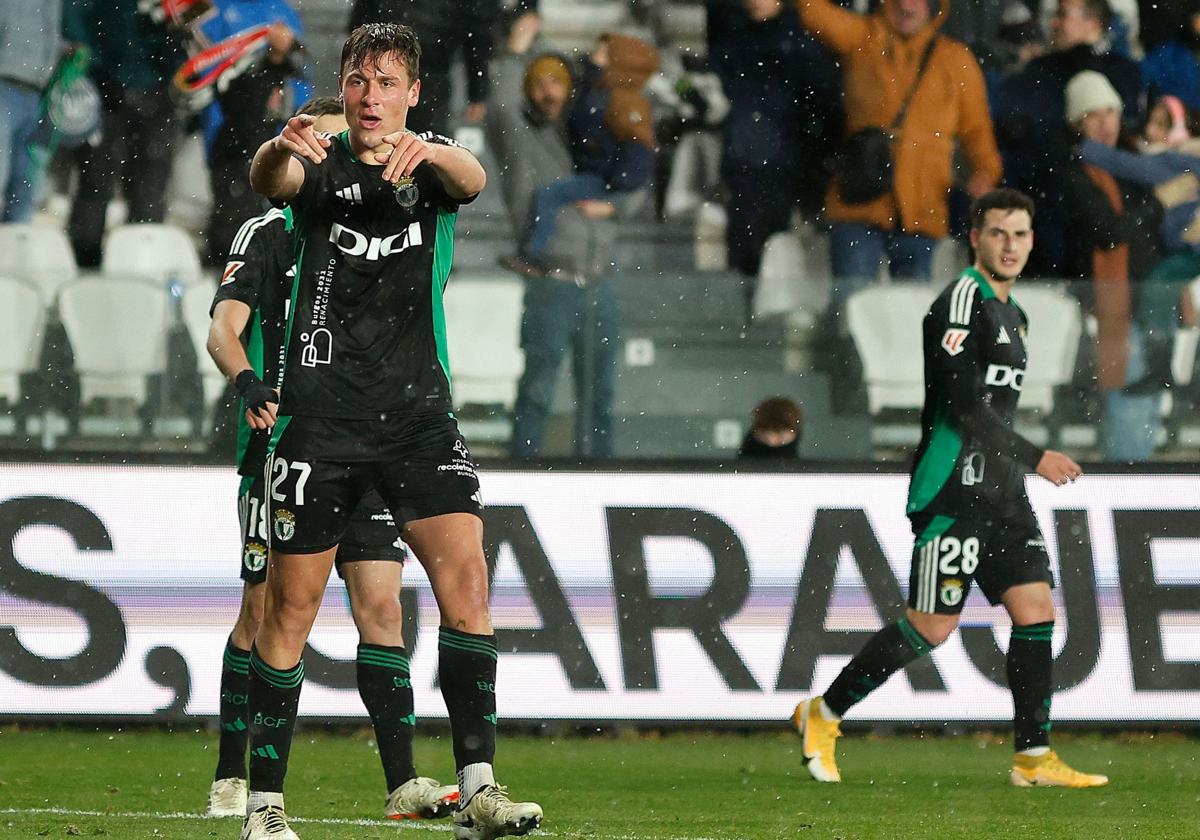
(299,138)
(1057,468)
(408,150)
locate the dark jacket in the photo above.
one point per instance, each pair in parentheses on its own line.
(1036,143)
(610,124)
(443,29)
(130,51)
(783,86)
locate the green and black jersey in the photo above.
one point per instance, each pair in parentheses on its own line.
(259,273)
(970,462)
(367,333)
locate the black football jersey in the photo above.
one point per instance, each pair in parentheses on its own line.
(970,462)
(259,273)
(367,332)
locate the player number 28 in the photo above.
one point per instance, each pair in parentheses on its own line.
(952,549)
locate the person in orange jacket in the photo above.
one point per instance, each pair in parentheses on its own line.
(881,53)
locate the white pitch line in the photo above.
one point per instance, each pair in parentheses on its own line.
(180,815)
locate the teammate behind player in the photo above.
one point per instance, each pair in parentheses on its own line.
(256,284)
(366,404)
(968,507)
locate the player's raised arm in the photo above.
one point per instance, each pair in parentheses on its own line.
(275,171)
(461,174)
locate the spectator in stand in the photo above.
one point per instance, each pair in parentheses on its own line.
(776,427)
(1033,139)
(30,43)
(446,30)
(1018,41)
(881,54)
(252,105)
(1168,163)
(529,139)
(133,61)
(1173,68)
(784,90)
(612,143)
(1117,223)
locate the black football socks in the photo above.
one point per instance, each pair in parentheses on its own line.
(467,672)
(274,696)
(385,685)
(884,654)
(235,684)
(1030,664)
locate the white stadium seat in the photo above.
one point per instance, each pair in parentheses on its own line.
(117,328)
(885,323)
(1055,325)
(195,306)
(39,255)
(159,252)
(22,318)
(483,325)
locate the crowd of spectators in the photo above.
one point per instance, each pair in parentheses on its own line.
(1056,99)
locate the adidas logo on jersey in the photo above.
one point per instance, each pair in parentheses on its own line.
(1003,337)
(353,194)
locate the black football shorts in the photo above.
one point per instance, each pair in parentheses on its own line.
(949,553)
(320,468)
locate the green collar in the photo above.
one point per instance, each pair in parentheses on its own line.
(984,286)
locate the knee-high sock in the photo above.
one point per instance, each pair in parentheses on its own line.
(235,685)
(386,690)
(884,654)
(274,696)
(1030,665)
(467,672)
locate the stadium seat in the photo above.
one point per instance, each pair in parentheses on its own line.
(117,327)
(39,255)
(885,324)
(195,305)
(794,275)
(22,320)
(483,325)
(1055,325)
(160,252)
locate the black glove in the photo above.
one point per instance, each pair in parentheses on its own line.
(255,393)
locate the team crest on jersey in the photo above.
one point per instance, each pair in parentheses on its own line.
(285,524)
(951,592)
(255,558)
(231,269)
(952,340)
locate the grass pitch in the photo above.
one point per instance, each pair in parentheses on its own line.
(686,786)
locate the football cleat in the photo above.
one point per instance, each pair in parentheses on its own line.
(1048,770)
(490,813)
(269,823)
(818,740)
(227,798)
(421,799)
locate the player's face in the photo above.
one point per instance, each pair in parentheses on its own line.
(1003,243)
(377,97)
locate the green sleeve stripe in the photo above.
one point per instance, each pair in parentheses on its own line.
(443,258)
(915,640)
(938,526)
(937,464)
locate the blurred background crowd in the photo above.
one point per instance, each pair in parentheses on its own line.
(680,205)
